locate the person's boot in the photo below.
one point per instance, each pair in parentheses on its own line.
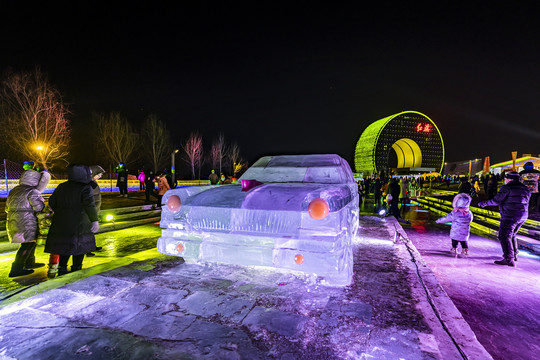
(76,268)
(32,264)
(62,270)
(465,252)
(453,251)
(18,270)
(51,272)
(505,261)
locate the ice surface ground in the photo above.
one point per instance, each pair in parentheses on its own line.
(179,310)
(500,303)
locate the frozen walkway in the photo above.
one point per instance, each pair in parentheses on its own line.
(167,309)
(500,303)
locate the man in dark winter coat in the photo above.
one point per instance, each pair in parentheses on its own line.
(377,192)
(513,201)
(492,186)
(75,219)
(97,173)
(122,181)
(394,189)
(213,177)
(465,186)
(149,184)
(529,177)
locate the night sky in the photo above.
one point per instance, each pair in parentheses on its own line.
(291,77)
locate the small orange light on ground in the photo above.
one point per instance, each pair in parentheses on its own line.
(299,259)
(179,248)
(318,209)
(174,203)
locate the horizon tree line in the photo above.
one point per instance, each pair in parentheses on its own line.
(36,126)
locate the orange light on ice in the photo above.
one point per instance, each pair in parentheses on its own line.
(299,259)
(179,248)
(318,209)
(174,203)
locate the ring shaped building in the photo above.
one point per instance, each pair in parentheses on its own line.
(405,143)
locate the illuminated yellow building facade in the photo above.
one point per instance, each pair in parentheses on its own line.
(407,142)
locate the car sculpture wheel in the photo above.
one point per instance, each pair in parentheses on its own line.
(295,212)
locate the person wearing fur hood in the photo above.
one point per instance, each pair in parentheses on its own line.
(23,204)
(75,219)
(461,218)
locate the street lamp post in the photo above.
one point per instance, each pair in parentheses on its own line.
(173,171)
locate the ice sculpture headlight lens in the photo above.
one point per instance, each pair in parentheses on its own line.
(299,259)
(174,203)
(179,248)
(318,209)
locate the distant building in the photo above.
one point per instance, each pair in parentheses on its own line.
(405,143)
(520,162)
(461,168)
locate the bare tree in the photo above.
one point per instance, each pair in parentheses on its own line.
(116,138)
(158,141)
(217,152)
(193,149)
(233,154)
(34,122)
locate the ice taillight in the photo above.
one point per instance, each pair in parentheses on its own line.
(174,203)
(179,248)
(318,209)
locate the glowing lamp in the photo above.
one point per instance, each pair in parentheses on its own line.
(109,217)
(174,203)
(318,209)
(179,248)
(299,259)
(382,212)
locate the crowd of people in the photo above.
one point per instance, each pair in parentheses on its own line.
(70,219)
(72,212)
(516,198)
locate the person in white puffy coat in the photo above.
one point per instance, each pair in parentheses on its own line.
(22,205)
(461,218)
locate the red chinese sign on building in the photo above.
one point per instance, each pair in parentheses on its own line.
(424,127)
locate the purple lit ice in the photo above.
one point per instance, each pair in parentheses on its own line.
(271,224)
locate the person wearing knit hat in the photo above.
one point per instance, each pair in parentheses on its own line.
(513,201)
(529,177)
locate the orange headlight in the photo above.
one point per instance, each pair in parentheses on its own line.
(174,203)
(318,209)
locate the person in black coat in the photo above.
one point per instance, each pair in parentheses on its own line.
(149,184)
(394,189)
(75,219)
(377,193)
(122,180)
(513,201)
(492,186)
(465,186)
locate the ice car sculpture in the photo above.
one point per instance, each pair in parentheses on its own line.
(296,212)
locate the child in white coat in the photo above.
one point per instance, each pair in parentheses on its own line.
(461,218)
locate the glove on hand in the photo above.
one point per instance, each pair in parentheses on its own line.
(95,227)
(482,204)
